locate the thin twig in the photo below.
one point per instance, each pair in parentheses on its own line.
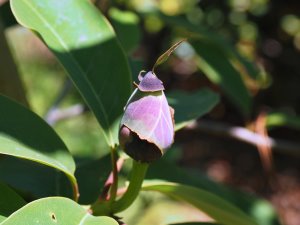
(247,136)
(110,179)
(265,151)
(115,171)
(211,127)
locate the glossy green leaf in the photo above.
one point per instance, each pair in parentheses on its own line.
(278,119)
(257,208)
(25,135)
(10,201)
(190,106)
(216,66)
(126,25)
(86,45)
(55,210)
(214,206)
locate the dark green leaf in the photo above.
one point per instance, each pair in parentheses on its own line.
(91,176)
(214,206)
(227,48)
(216,66)
(10,201)
(55,210)
(25,135)
(136,66)
(33,179)
(190,106)
(86,45)
(126,25)
(258,209)
(6,15)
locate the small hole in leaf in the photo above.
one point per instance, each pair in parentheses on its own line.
(53,217)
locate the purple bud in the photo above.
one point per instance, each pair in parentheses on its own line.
(150,83)
(147,126)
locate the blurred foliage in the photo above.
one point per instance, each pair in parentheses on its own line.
(281,119)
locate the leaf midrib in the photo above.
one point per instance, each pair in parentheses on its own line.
(65,47)
(220,211)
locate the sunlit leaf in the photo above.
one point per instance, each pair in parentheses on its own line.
(214,206)
(278,119)
(259,209)
(55,210)
(86,45)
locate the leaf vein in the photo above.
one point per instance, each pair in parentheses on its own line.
(61,41)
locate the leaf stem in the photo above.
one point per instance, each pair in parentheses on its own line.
(75,191)
(114,185)
(137,176)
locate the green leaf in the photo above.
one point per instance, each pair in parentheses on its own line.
(33,179)
(278,119)
(6,15)
(190,106)
(216,66)
(91,176)
(259,209)
(55,210)
(214,206)
(229,50)
(25,135)
(86,45)
(195,223)
(10,201)
(126,25)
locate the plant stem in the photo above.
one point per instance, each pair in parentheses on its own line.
(114,185)
(137,176)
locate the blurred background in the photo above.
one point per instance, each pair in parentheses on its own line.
(249,141)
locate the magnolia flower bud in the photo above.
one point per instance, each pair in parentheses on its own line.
(147,126)
(140,150)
